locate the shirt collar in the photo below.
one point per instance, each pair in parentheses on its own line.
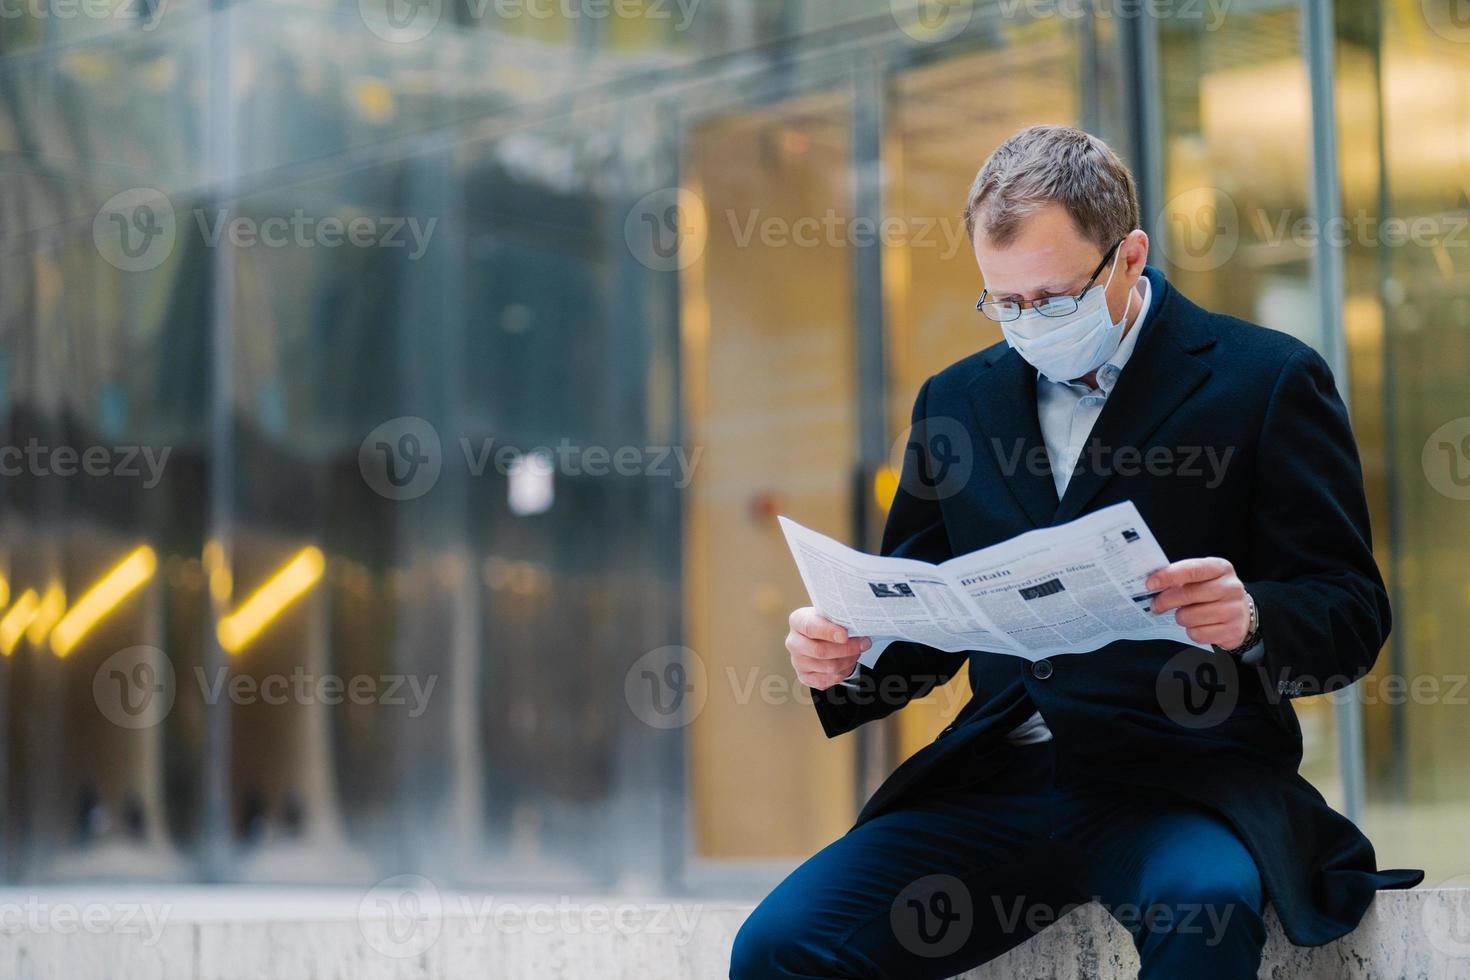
(1107,375)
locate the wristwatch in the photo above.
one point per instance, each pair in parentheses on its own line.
(1252,633)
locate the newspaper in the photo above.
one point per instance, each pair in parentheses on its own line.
(1065,589)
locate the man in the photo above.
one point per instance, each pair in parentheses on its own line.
(1157,779)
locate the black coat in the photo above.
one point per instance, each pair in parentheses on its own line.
(1286,508)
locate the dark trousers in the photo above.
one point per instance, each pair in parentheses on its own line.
(950,882)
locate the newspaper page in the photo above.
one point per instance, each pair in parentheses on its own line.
(889,598)
(1057,590)
(1071,588)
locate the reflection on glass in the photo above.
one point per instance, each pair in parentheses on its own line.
(770,400)
(1236,226)
(937,140)
(1408,306)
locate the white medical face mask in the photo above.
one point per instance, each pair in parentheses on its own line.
(1064,348)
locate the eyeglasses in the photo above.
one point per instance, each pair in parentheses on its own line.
(1006,309)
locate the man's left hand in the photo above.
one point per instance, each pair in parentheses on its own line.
(1210,599)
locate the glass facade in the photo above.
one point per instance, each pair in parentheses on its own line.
(397,399)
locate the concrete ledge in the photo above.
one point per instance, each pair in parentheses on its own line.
(401,930)
(1406,934)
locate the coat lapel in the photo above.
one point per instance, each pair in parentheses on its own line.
(1003,395)
(1160,375)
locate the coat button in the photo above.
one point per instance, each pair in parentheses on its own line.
(1041,670)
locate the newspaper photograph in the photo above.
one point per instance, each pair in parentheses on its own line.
(1067,589)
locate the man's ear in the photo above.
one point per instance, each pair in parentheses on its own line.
(1135,252)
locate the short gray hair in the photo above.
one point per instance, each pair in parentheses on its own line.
(1044,165)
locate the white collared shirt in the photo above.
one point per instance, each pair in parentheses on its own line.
(1067,410)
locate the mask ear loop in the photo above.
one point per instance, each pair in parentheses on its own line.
(1126,306)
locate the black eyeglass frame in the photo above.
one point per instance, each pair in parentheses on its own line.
(1023,304)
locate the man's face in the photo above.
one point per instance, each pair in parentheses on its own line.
(1050,257)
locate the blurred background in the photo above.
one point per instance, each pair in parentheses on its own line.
(396,397)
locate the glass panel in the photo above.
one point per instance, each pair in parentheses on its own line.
(1404,71)
(103,424)
(938,137)
(1236,231)
(770,400)
(1237,158)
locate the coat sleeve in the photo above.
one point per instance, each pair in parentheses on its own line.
(1322,603)
(905,671)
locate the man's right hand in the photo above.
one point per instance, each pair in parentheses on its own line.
(821,651)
